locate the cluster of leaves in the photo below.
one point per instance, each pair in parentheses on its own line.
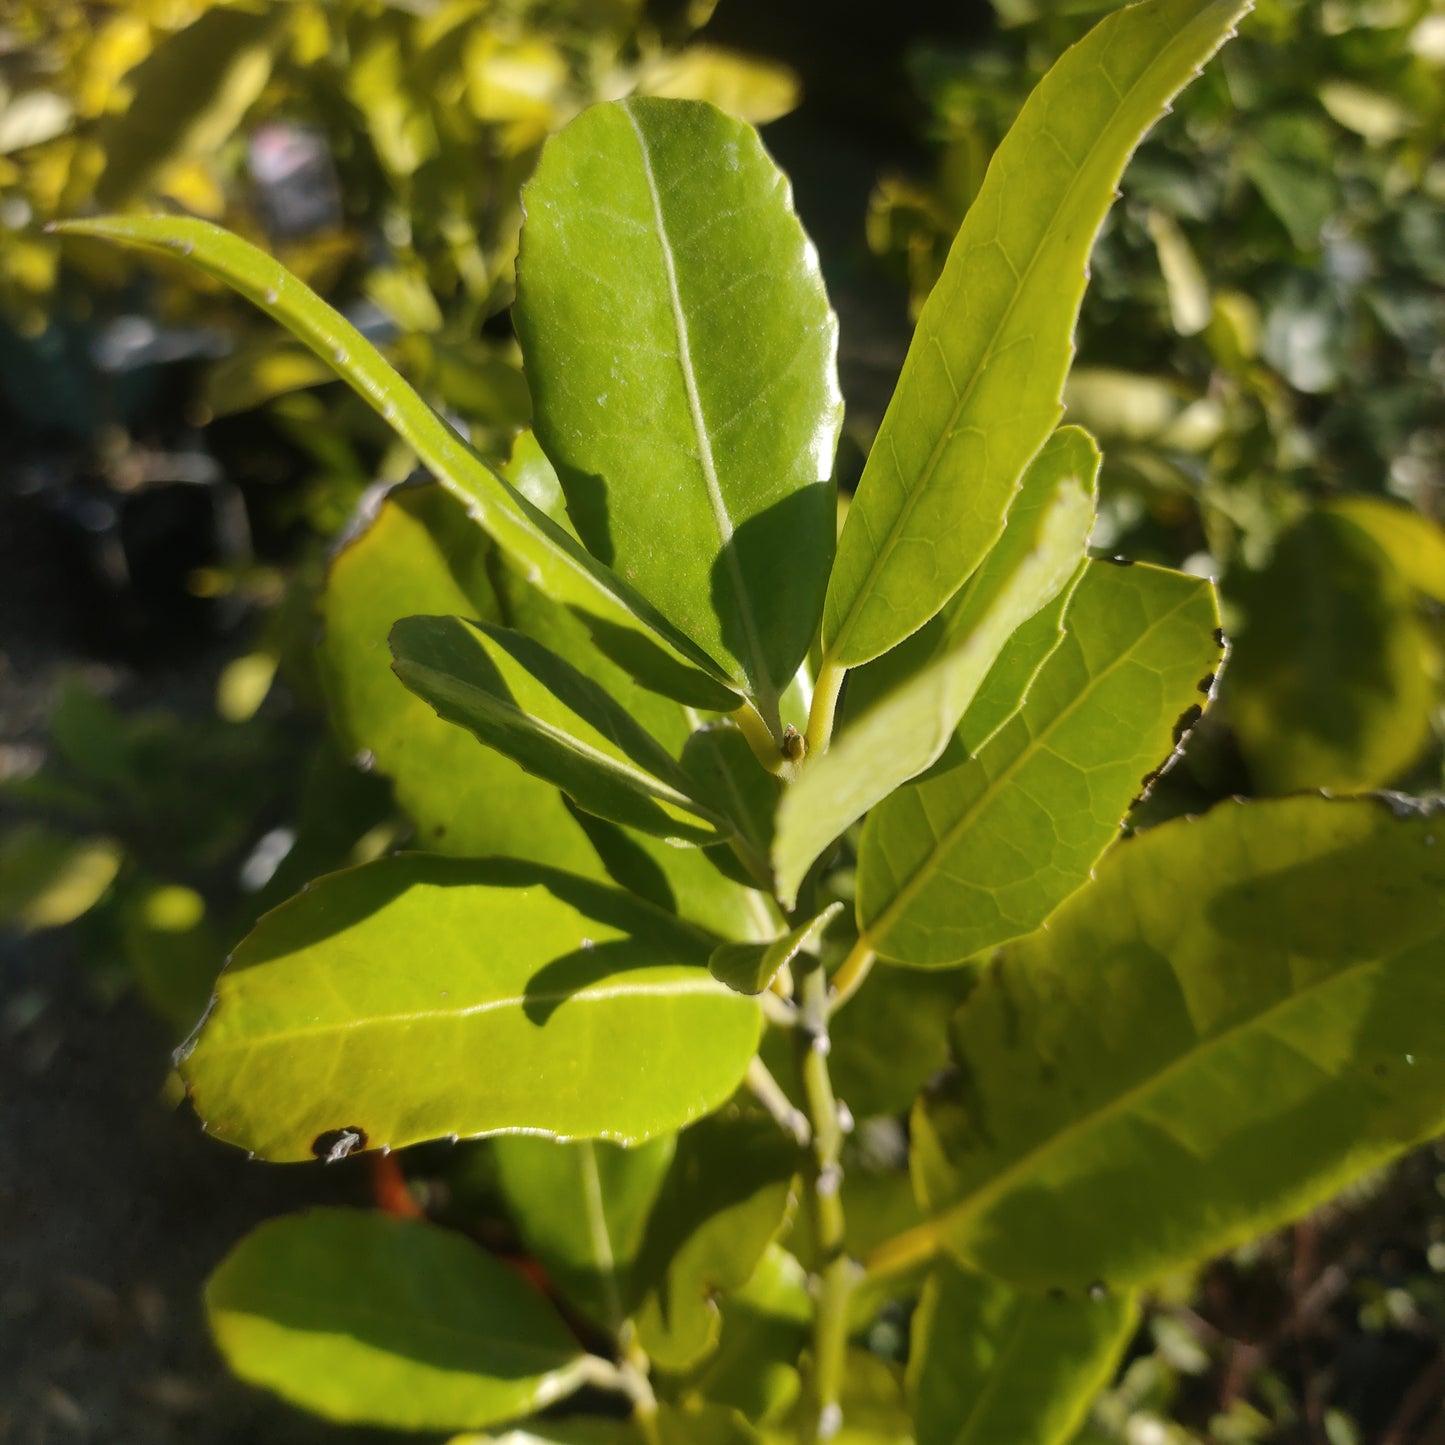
(1261,340)
(630,931)
(425,123)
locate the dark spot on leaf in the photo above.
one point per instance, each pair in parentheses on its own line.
(1187,719)
(1219,637)
(1381,1071)
(1205,683)
(336,1144)
(440,831)
(1048,1073)
(1057,1295)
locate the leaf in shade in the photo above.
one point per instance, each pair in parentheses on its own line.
(522,699)
(682,359)
(363,1318)
(1243,1013)
(981,385)
(416,997)
(984,852)
(625,627)
(988,1364)
(581,1209)
(908,729)
(751,967)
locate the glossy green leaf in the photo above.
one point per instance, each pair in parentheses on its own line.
(1244,1012)
(982,381)
(364,1318)
(417,997)
(751,967)
(988,1364)
(519,697)
(581,1210)
(725,774)
(681,355)
(1329,684)
(908,729)
(724,1201)
(625,627)
(421,554)
(984,852)
(189,95)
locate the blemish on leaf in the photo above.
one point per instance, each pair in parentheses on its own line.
(1219,637)
(1187,719)
(335,1144)
(1206,683)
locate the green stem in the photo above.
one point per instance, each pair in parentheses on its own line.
(825,704)
(851,973)
(906,1251)
(822,1414)
(761,738)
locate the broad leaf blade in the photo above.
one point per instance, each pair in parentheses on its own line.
(625,626)
(367,1319)
(522,699)
(981,386)
(682,360)
(581,1210)
(987,1364)
(419,997)
(908,729)
(984,852)
(421,554)
(751,967)
(1240,1015)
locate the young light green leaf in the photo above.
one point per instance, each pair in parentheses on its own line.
(751,967)
(908,729)
(984,852)
(724,1201)
(981,385)
(987,1364)
(367,1319)
(421,554)
(581,1210)
(682,359)
(1242,1013)
(628,629)
(522,699)
(419,997)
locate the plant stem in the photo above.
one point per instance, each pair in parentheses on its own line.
(761,738)
(822,1414)
(904,1251)
(850,974)
(769,1093)
(825,703)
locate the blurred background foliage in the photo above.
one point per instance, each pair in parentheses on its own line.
(1262,354)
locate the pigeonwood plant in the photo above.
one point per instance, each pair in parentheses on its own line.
(642,703)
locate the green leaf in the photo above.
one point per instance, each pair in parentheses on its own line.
(1243,1013)
(751,967)
(874,1410)
(909,728)
(522,699)
(581,1210)
(984,852)
(1414,543)
(988,1364)
(696,1424)
(189,95)
(726,1198)
(421,554)
(981,384)
(682,355)
(172,947)
(1330,682)
(52,878)
(367,1319)
(626,627)
(417,997)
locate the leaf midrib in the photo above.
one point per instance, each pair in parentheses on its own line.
(914,493)
(673,988)
(916,880)
(722,520)
(974,1204)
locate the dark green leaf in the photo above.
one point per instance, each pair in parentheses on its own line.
(984,852)
(418,997)
(981,384)
(364,1318)
(682,360)
(1243,1013)
(751,967)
